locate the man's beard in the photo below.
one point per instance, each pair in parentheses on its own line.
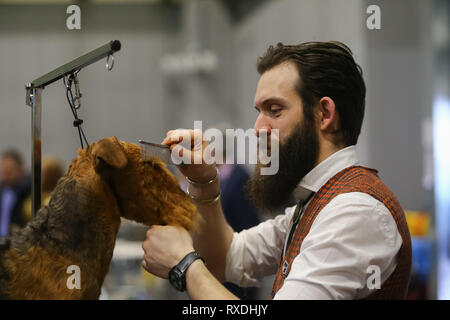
(297,156)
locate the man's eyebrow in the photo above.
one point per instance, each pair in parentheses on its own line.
(269,101)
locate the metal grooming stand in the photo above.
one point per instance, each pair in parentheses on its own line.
(33,99)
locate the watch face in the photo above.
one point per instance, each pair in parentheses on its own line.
(177,275)
(176,279)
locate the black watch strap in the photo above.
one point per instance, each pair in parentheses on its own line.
(177,275)
(186,262)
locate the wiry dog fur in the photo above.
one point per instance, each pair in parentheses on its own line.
(79,225)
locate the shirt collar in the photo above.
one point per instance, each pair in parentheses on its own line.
(325,170)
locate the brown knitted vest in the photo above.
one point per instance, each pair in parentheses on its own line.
(355,179)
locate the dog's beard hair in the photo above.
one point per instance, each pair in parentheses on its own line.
(297,156)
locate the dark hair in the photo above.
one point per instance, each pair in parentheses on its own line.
(14,155)
(326,69)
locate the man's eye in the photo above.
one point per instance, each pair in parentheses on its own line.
(275,110)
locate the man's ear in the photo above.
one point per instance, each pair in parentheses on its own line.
(327,115)
(108,152)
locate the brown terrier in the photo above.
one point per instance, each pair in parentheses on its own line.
(79,225)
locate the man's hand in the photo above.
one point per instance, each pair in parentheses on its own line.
(189,145)
(165,247)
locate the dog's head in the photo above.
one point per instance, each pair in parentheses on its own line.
(146,192)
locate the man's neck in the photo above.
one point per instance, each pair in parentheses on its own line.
(326,151)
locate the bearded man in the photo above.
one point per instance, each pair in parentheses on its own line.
(346,238)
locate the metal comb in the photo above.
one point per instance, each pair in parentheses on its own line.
(151,150)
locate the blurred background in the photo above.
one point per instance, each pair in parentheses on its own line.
(189,60)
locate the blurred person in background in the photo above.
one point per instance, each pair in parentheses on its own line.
(347,237)
(52,170)
(15,188)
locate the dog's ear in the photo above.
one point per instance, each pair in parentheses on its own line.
(108,152)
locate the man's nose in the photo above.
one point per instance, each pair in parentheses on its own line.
(261,124)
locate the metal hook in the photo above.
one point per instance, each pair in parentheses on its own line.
(68,82)
(78,95)
(73,78)
(110,66)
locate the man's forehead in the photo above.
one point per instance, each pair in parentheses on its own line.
(277,83)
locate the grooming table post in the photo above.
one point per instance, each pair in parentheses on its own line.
(36,123)
(33,99)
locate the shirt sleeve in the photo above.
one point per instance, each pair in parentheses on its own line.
(346,247)
(255,253)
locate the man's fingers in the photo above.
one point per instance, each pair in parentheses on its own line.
(148,233)
(181,150)
(179,135)
(170,140)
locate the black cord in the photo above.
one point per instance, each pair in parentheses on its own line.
(77,122)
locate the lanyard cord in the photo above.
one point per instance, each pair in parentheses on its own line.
(73,106)
(296,217)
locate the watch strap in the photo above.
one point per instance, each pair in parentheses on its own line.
(186,262)
(179,271)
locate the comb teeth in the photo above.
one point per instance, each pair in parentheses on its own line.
(153,150)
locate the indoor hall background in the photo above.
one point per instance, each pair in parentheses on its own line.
(137,99)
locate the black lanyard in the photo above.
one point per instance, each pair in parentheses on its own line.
(74,103)
(296,217)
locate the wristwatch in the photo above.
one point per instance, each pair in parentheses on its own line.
(177,275)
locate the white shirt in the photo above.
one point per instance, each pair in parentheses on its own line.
(352,238)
